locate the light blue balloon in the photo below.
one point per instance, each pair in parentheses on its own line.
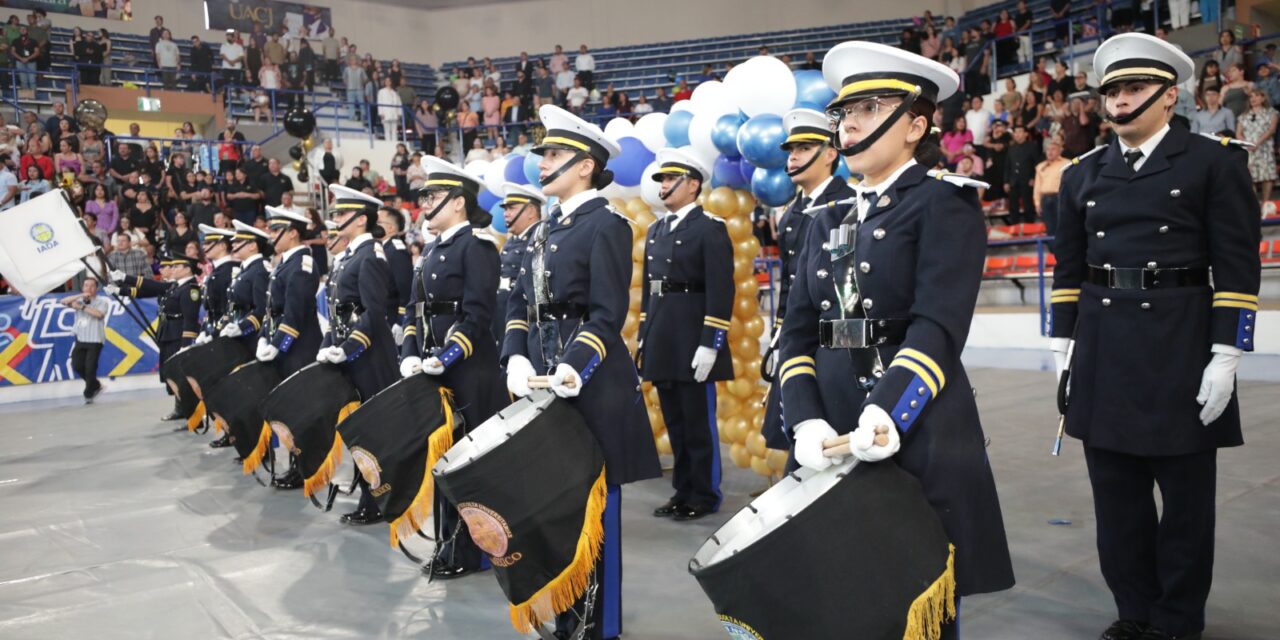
(772,187)
(759,139)
(514,171)
(812,90)
(628,166)
(499,222)
(676,128)
(842,170)
(531,168)
(724,135)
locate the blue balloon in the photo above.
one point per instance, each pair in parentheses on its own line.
(759,140)
(676,129)
(725,134)
(531,168)
(772,187)
(514,171)
(812,90)
(820,108)
(499,222)
(726,173)
(486,199)
(746,170)
(842,170)
(628,166)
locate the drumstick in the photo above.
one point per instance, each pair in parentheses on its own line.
(544,382)
(839,446)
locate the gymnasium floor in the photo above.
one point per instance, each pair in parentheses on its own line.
(114,526)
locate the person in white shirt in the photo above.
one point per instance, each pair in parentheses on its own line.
(577,96)
(167,58)
(9,193)
(585,64)
(389,110)
(232,55)
(978,120)
(90,332)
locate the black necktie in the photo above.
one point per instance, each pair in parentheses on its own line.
(555,214)
(1132,158)
(802,203)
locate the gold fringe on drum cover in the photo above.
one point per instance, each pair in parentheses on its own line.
(563,591)
(441,440)
(320,479)
(935,606)
(196,417)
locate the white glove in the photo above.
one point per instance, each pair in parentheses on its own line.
(432,366)
(519,370)
(266,351)
(112,289)
(232,330)
(397,332)
(116,275)
(203,338)
(862,440)
(563,374)
(333,355)
(703,359)
(1218,381)
(410,366)
(1060,348)
(810,435)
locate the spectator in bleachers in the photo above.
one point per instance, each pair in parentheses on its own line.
(253,59)
(67,160)
(201,57)
(102,55)
(202,209)
(1020,174)
(811,61)
(469,121)
(1061,81)
(36,156)
(1080,128)
(477,152)
(683,92)
(1235,93)
(39,31)
(353,81)
(930,43)
(642,106)
(585,66)
(95,174)
(168,58)
(1023,20)
(544,88)
(415,176)
(1059,12)
(307,58)
(25,51)
(577,96)
(1047,181)
(1267,82)
(34,185)
(330,52)
(559,61)
(231,54)
(523,144)
(358,182)
(1055,111)
(142,216)
(127,257)
(1006,43)
(9,193)
(491,74)
(1031,115)
(1258,125)
(1213,118)
(623,105)
(491,106)
(295,79)
(1011,99)
(243,197)
(389,110)
(255,165)
(229,155)
(101,205)
(1227,52)
(273,184)
(426,122)
(908,42)
(1210,77)
(978,119)
(86,50)
(955,140)
(996,150)
(156,32)
(1179,14)
(661,103)
(329,162)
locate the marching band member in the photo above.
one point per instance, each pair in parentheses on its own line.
(217,248)
(565,317)
(179,308)
(687,303)
(448,328)
(400,265)
(1143,222)
(881,305)
(292,334)
(522,211)
(359,338)
(812,161)
(249,285)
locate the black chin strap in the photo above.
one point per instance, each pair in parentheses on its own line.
(578,156)
(1133,115)
(907,102)
(667,194)
(519,213)
(805,166)
(453,193)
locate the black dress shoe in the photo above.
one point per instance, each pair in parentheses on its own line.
(1153,633)
(667,510)
(361,517)
(449,572)
(292,479)
(687,512)
(224,441)
(1124,630)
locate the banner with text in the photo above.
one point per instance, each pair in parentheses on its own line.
(296,20)
(36,341)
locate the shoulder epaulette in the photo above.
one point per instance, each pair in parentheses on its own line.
(1076,160)
(713,217)
(308,264)
(1227,141)
(398,243)
(957,179)
(619,214)
(486,236)
(379,251)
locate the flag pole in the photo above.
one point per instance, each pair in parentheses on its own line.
(135,313)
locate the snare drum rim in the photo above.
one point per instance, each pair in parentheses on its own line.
(462,454)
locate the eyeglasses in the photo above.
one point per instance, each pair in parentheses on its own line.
(433,198)
(862,111)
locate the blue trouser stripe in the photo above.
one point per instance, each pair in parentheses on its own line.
(611,572)
(715,442)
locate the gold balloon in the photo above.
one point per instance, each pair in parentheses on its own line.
(739,228)
(632,323)
(747,248)
(739,455)
(727,405)
(754,327)
(755,444)
(757,419)
(747,288)
(635,297)
(619,204)
(297,164)
(741,389)
(664,444)
(744,308)
(761,466)
(636,275)
(746,203)
(637,207)
(637,252)
(722,202)
(743,268)
(737,367)
(308,142)
(777,460)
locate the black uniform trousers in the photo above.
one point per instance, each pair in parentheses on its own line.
(1022,204)
(84,361)
(689,409)
(1159,567)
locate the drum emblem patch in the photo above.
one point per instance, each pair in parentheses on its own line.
(488,529)
(285,436)
(739,630)
(368,466)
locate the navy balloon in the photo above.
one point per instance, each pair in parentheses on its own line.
(499,223)
(724,135)
(486,200)
(812,91)
(531,168)
(772,187)
(628,166)
(746,170)
(676,128)
(514,172)
(758,141)
(726,173)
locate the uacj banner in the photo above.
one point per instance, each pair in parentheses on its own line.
(298,20)
(36,341)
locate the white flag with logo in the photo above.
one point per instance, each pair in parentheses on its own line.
(41,244)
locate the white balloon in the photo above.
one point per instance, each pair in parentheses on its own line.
(649,189)
(649,131)
(619,128)
(714,98)
(476,167)
(496,174)
(763,84)
(708,158)
(682,105)
(611,191)
(700,133)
